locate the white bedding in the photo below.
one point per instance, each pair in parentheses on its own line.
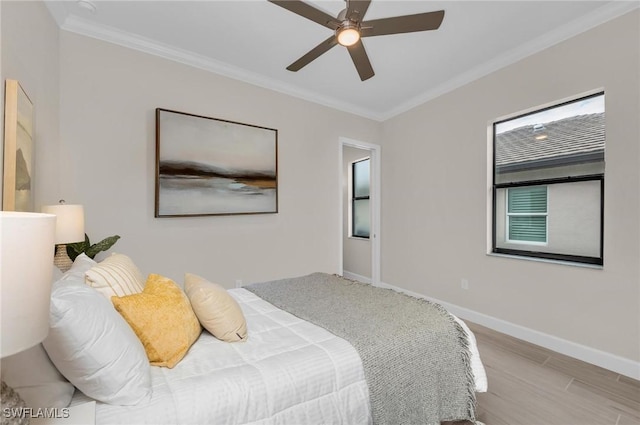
(289,371)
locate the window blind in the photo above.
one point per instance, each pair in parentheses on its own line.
(527,212)
(530,229)
(528,200)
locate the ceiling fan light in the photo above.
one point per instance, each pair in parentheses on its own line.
(348,36)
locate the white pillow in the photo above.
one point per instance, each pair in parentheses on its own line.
(36,379)
(94,348)
(80,266)
(31,372)
(116,275)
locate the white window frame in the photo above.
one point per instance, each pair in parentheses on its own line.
(508,215)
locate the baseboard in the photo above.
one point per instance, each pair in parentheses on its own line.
(591,355)
(355,276)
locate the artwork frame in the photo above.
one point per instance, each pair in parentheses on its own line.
(209,166)
(17,182)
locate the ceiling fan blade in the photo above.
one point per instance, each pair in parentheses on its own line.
(306,11)
(313,54)
(356,9)
(402,24)
(361,60)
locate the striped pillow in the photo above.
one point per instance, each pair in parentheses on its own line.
(115,276)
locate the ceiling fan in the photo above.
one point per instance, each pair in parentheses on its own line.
(349,28)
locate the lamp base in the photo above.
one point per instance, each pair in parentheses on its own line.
(11,402)
(61,259)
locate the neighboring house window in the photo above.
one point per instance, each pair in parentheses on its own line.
(548,182)
(360,199)
(527,214)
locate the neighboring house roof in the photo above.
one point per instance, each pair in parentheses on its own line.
(570,140)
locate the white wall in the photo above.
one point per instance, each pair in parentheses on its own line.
(435,175)
(435,230)
(108,98)
(30,55)
(356,251)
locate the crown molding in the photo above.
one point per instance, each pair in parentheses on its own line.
(571,29)
(112,35)
(119,37)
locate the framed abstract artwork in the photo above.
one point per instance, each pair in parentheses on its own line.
(210,166)
(17,183)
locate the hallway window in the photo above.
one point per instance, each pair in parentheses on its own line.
(360,223)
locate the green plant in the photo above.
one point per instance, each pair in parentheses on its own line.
(75,249)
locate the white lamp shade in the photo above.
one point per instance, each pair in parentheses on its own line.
(69,222)
(26,253)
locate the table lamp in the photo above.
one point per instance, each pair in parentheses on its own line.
(69,228)
(26,245)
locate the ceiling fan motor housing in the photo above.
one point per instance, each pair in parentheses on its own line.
(348,33)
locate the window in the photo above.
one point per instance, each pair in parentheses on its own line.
(527,214)
(360,199)
(548,182)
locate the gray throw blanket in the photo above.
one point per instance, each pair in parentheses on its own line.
(415,355)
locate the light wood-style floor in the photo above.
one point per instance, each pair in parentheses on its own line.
(530,385)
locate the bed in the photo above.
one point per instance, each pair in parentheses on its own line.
(288,371)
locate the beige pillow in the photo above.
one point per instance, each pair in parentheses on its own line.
(115,276)
(217,311)
(162,318)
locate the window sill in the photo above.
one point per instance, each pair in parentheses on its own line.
(546,260)
(359,238)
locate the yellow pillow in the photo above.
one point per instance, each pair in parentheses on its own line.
(217,311)
(162,318)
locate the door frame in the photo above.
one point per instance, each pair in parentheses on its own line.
(374,154)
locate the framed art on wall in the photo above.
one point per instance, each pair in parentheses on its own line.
(209,166)
(17,183)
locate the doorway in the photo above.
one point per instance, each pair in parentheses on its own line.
(359,256)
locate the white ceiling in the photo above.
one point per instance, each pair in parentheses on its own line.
(255,41)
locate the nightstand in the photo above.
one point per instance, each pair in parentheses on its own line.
(80,414)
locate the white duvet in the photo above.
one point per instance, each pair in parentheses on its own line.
(289,371)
